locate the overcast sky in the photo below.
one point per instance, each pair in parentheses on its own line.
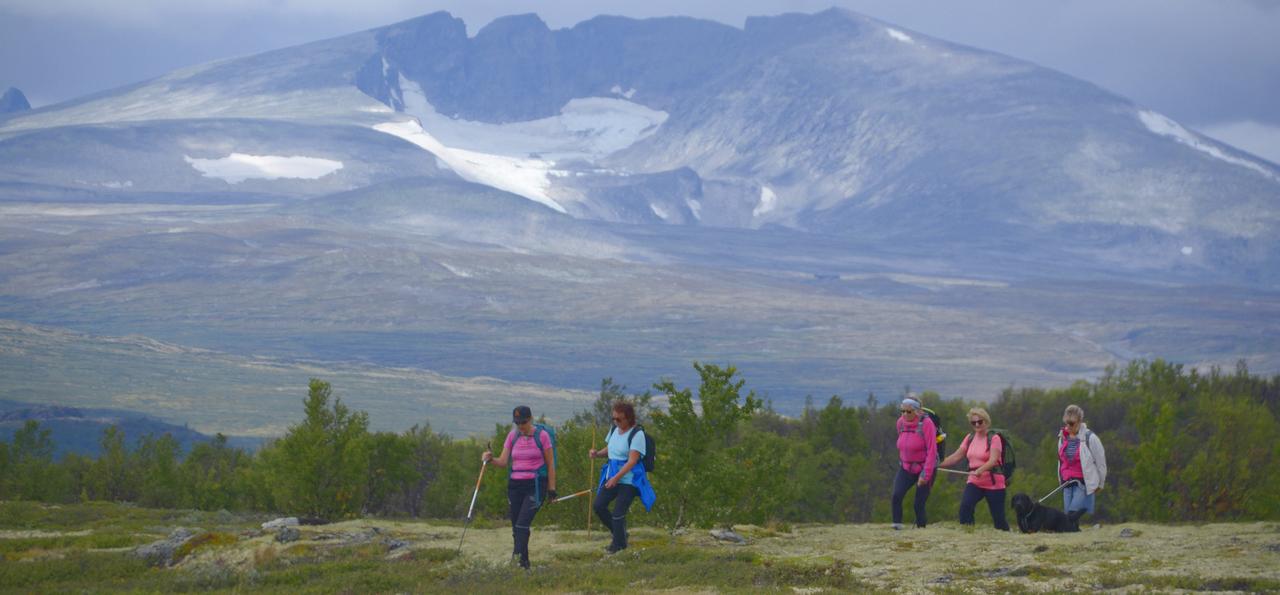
(1214,65)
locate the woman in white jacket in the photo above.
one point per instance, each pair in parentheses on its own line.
(1080,458)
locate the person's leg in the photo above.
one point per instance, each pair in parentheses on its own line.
(922,498)
(968,502)
(524,523)
(901,483)
(995,503)
(601,507)
(626,494)
(514,498)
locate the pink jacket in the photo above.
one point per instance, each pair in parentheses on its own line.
(918,445)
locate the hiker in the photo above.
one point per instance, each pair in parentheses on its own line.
(623,478)
(982,449)
(918,453)
(528,448)
(1081,461)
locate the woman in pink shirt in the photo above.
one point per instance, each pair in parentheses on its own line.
(918,454)
(982,449)
(1081,461)
(532,480)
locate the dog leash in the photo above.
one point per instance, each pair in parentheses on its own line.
(1059,488)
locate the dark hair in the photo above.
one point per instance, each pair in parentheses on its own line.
(627,411)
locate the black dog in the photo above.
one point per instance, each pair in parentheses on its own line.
(1034,517)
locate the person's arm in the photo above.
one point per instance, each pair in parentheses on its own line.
(931,451)
(955,457)
(502,460)
(551,467)
(632,458)
(1099,459)
(993,456)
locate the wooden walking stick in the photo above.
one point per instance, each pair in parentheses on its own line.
(591,468)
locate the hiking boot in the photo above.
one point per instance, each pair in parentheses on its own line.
(613,549)
(897,526)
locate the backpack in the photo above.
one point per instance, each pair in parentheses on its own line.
(939,433)
(1008,460)
(650,446)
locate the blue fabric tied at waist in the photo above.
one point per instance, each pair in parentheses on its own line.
(638,479)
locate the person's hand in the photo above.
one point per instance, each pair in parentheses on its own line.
(612,483)
(486,457)
(552,495)
(1099,488)
(921,482)
(591,452)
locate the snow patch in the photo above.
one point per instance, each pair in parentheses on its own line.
(457,271)
(238,167)
(900,36)
(768,201)
(519,157)
(1187,250)
(695,207)
(659,211)
(617,90)
(1162,125)
(114,185)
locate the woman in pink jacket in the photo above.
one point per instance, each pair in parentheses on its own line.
(918,452)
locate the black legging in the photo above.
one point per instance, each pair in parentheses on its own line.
(903,482)
(616,521)
(522,497)
(995,503)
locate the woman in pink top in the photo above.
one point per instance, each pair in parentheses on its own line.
(918,454)
(984,483)
(528,449)
(1081,461)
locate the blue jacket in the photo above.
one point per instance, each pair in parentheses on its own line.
(638,479)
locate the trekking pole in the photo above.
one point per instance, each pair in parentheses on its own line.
(472,508)
(571,496)
(1056,490)
(957,472)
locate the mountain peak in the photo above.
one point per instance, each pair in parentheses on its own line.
(13,101)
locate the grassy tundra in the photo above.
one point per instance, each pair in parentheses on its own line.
(87,547)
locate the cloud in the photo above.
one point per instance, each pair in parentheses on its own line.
(1258,138)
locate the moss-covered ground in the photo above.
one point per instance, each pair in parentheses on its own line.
(86,547)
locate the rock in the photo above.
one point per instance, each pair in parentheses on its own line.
(395,544)
(1272,547)
(942,580)
(161,553)
(289,521)
(728,535)
(1040,549)
(288,535)
(13,101)
(1128,532)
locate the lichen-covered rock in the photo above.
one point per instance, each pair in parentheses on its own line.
(162,553)
(288,534)
(728,535)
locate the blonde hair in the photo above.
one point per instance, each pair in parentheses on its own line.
(1073,412)
(980,412)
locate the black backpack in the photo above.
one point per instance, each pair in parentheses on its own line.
(650,447)
(1008,460)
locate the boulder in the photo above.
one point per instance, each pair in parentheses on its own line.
(728,535)
(161,553)
(288,521)
(288,534)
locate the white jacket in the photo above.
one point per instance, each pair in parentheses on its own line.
(1093,458)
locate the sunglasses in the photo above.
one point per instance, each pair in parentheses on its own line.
(977,422)
(908,410)
(1071,424)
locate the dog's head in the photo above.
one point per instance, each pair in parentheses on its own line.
(1023,504)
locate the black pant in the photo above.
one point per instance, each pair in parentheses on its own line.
(616,521)
(523,498)
(903,482)
(995,503)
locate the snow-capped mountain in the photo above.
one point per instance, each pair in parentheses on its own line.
(833,123)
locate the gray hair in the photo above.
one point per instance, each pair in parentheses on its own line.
(1073,412)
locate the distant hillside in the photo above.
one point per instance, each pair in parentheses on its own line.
(76,430)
